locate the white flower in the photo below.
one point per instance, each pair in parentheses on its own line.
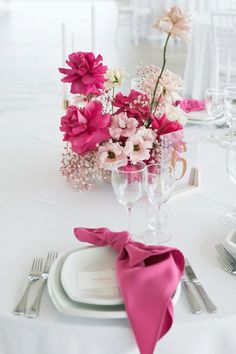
(110,154)
(175,113)
(116,78)
(171,85)
(148,135)
(137,149)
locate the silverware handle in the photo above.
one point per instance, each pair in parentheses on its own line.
(34,310)
(205,298)
(193,302)
(21,307)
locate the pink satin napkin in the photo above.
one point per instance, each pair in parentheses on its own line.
(191,105)
(148,277)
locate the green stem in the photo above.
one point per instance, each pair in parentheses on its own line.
(157,104)
(148,121)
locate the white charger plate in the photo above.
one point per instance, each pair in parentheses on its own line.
(68,307)
(91,263)
(230,242)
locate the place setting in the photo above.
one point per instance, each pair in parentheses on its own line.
(118,200)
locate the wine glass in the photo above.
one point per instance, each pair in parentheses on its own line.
(214,102)
(230,112)
(128,184)
(230,218)
(159,186)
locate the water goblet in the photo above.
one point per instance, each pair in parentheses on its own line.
(214,101)
(159,186)
(230,113)
(128,184)
(230,218)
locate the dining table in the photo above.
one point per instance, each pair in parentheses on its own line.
(39,211)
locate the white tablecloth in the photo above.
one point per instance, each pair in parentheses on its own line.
(38,214)
(200,69)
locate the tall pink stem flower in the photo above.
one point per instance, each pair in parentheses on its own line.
(175,22)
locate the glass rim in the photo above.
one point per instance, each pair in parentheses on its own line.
(117,168)
(214,92)
(155,164)
(230,89)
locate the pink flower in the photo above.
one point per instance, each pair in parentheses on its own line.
(148,135)
(86,74)
(164,126)
(137,149)
(135,105)
(110,154)
(176,22)
(85,127)
(121,125)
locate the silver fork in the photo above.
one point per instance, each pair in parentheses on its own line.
(35,273)
(34,310)
(226,260)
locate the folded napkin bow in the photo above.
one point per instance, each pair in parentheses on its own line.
(191,105)
(147,276)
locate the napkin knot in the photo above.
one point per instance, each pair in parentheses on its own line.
(103,237)
(147,276)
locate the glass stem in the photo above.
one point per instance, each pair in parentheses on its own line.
(233,130)
(212,133)
(159,215)
(129,212)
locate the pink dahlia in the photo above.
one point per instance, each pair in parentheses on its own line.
(135,105)
(85,127)
(86,73)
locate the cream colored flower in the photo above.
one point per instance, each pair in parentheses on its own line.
(116,78)
(175,113)
(171,84)
(176,22)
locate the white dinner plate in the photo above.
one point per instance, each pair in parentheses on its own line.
(89,276)
(68,307)
(202,118)
(230,242)
(198,117)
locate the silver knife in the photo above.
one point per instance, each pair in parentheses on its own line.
(202,292)
(193,302)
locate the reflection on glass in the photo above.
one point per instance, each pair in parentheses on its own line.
(159,187)
(214,102)
(230,218)
(128,184)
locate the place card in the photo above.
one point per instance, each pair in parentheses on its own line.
(97,280)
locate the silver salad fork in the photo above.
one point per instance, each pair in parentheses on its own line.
(35,274)
(34,310)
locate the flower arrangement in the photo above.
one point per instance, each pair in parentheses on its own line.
(103,128)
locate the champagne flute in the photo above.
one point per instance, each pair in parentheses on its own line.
(214,101)
(159,186)
(230,218)
(128,184)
